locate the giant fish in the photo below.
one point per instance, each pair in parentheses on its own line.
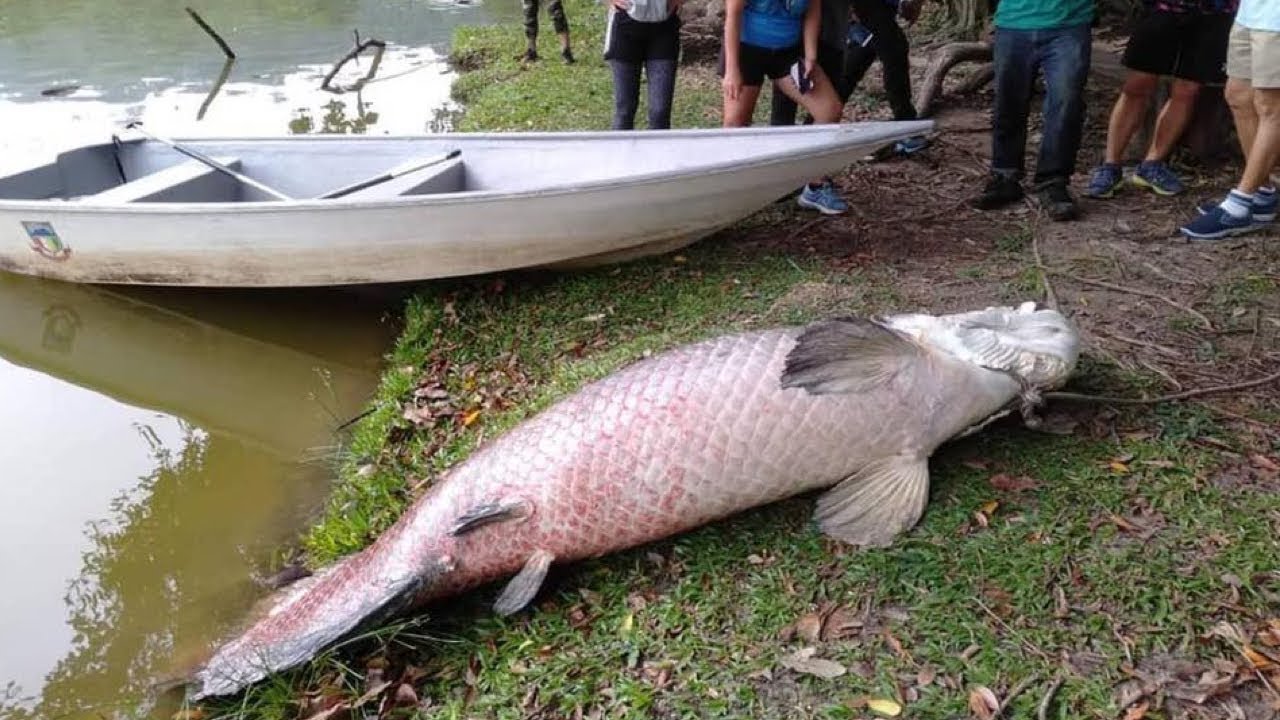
(672,442)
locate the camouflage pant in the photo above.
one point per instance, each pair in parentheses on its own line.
(554,8)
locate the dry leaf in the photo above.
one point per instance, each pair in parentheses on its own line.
(803,661)
(926,677)
(884,707)
(809,627)
(1264,462)
(1137,712)
(1257,659)
(989,507)
(469,419)
(1124,524)
(841,623)
(1118,467)
(983,703)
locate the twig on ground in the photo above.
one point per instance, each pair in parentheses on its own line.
(1144,293)
(1016,635)
(805,228)
(1199,392)
(1014,693)
(1042,712)
(1050,296)
(226,49)
(1143,343)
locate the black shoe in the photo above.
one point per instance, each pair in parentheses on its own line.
(531,55)
(999,191)
(1055,199)
(567,54)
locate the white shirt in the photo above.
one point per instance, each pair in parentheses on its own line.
(1259,15)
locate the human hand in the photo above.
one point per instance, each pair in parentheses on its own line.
(623,5)
(732,84)
(809,64)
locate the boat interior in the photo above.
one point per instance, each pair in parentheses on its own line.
(144,171)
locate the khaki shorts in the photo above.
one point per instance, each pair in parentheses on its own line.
(1254,55)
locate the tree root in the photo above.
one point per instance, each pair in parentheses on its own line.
(945,58)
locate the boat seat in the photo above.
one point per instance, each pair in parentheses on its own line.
(189,181)
(446,177)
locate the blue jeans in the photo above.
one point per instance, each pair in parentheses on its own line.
(1063,56)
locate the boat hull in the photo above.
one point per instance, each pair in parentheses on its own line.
(331,242)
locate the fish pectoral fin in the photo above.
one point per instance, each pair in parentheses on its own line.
(489,512)
(847,355)
(524,586)
(875,504)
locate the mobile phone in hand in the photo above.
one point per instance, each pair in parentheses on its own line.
(800,78)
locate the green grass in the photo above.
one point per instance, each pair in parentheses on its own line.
(1121,550)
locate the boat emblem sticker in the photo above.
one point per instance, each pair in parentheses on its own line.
(45,240)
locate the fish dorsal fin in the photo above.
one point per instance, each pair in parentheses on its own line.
(847,355)
(524,586)
(875,504)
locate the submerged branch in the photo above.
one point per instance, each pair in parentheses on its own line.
(217,86)
(352,55)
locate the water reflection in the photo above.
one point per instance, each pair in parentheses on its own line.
(156,449)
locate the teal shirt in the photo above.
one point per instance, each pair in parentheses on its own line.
(1043,14)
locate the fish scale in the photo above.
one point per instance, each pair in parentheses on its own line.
(670,443)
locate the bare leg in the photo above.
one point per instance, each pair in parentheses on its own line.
(1173,118)
(1127,114)
(737,112)
(1239,94)
(1266,144)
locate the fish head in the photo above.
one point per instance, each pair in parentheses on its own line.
(1037,345)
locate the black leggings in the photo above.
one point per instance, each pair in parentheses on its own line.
(626,92)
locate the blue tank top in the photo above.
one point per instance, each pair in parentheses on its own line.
(773,24)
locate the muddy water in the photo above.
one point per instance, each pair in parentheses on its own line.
(156,449)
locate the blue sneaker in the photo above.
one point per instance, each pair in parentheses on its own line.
(1104,182)
(911,145)
(1157,177)
(1217,223)
(822,198)
(1264,206)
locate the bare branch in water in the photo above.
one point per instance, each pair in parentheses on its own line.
(226,49)
(217,85)
(352,55)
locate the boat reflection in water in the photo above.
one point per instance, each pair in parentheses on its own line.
(156,449)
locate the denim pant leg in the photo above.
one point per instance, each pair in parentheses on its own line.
(626,93)
(1015,72)
(661,76)
(1064,55)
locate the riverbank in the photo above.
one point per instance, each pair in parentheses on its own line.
(1119,562)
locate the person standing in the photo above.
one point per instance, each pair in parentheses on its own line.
(643,34)
(778,40)
(1253,93)
(1052,37)
(555,8)
(1183,38)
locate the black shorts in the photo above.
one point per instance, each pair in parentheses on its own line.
(757,63)
(1191,46)
(631,41)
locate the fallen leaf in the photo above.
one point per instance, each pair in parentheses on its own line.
(1264,462)
(983,703)
(803,661)
(884,707)
(1137,712)
(841,623)
(469,419)
(1124,524)
(925,677)
(628,622)
(1118,467)
(405,696)
(1257,659)
(809,627)
(990,506)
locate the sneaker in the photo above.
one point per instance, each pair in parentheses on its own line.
(1217,223)
(999,191)
(1157,177)
(822,198)
(567,54)
(911,146)
(1104,182)
(1055,198)
(1264,207)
